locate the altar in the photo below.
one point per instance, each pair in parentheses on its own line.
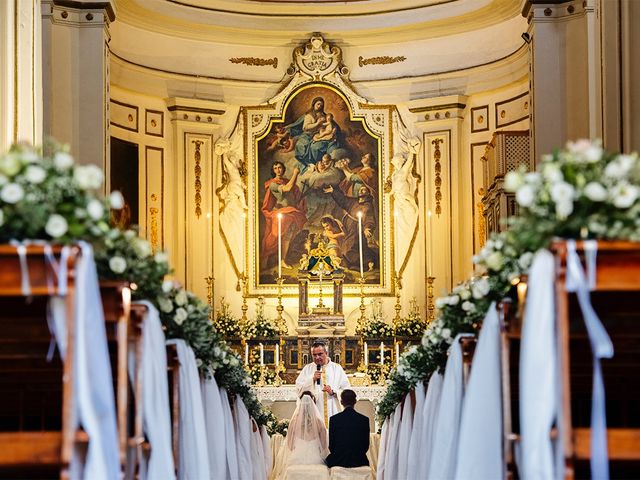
(282,400)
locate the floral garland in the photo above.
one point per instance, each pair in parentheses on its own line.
(580,191)
(46,196)
(260,326)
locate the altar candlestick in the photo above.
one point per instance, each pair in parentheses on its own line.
(360,243)
(279,245)
(261,355)
(277,355)
(430,264)
(397,353)
(381,353)
(246,354)
(366,354)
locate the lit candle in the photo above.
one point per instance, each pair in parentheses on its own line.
(381,353)
(397,353)
(279,245)
(360,243)
(366,354)
(246,354)
(277,355)
(261,355)
(430,264)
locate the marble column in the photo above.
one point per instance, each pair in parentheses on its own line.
(75,71)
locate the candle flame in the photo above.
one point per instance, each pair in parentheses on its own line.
(279,215)
(359,214)
(429,213)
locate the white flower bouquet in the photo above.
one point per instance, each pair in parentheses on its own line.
(48,197)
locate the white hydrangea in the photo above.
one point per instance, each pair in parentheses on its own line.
(11,193)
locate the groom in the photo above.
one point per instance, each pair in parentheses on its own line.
(348,435)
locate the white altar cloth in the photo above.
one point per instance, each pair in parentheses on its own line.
(288,393)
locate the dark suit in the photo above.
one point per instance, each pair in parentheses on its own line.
(348,439)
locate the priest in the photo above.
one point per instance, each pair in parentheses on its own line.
(325,378)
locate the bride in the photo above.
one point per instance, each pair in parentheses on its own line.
(303,453)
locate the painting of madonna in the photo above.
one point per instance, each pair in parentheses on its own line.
(312,164)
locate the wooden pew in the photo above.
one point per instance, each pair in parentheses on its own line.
(37,394)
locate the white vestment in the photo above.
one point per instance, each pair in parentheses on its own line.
(334,377)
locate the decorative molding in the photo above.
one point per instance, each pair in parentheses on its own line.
(438,170)
(318,60)
(480,119)
(154,123)
(197,171)
(482,231)
(512,110)
(153,237)
(381,60)
(255,61)
(124,115)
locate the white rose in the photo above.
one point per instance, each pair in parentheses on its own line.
(595,192)
(441,302)
(181,298)
(116,200)
(525,260)
(468,307)
(480,288)
(465,294)
(62,160)
(165,304)
(142,247)
(117,264)
(35,174)
(495,261)
(95,209)
(167,286)
(10,164)
(562,192)
(513,181)
(88,177)
(11,193)
(56,226)
(446,332)
(180,316)
(453,299)
(552,173)
(525,195)
(585,150)
(624,195)
(161,257)
(564,208)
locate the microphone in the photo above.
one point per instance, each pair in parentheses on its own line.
(318,367)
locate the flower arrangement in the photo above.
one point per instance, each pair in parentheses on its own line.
(123,255)
(580,191)
(277,426)
(260,326)
(375,327)
(225,323)
(412,325)
(375,369)
(46,196)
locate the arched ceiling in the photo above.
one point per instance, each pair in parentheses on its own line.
(203,39)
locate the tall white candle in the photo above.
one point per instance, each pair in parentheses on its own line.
(279,245)
(430,264)
(381,353)
(396,256)
(277,354)
(244,243)
(397,353)
(366,354)
(246,354)
(261,355)
(360,243)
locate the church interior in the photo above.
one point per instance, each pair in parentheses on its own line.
(197,196)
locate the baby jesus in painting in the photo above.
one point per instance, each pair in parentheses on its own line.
(328,129)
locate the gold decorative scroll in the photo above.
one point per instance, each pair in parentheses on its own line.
(437,169)
(153,211)
(256,62)
(382,60)
(198,171)
(482,232)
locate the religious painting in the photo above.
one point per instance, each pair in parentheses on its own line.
(319,182)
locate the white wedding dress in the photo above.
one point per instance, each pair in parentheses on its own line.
(302,454)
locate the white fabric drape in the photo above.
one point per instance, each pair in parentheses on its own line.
(242,424)
(193,460)
(266,448)
(156,419)
(404,437)
(372,453)
(442,463)
(230,437)
(480,440)
(391,451)
(257,453)
(216,438)
(430,415)
(416,447)
(385,433)
(94,385)
(538,372)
